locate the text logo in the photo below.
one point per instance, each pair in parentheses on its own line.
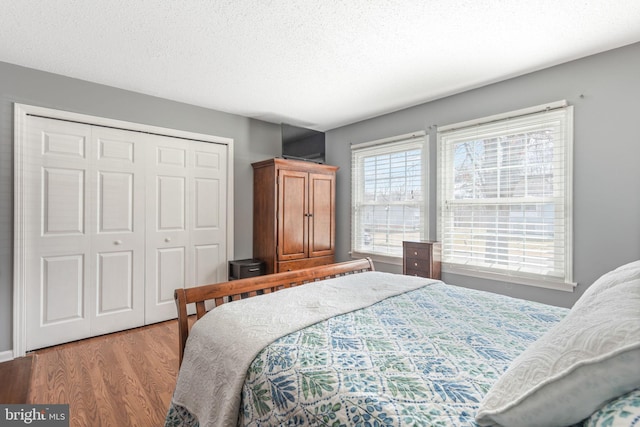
(34,415)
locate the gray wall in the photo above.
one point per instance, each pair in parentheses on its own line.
(253,140)
(605,90)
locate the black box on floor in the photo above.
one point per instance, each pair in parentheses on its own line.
(243,268)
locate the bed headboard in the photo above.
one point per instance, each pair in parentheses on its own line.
(249,287)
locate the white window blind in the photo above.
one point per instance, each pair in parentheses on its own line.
(505,192)
(388,194)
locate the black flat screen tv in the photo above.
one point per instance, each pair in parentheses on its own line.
(302,144)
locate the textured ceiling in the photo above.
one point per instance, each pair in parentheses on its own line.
(314,63)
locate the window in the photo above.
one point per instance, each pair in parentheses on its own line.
(504,197)
(388,194)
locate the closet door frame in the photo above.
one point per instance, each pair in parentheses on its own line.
(21,111)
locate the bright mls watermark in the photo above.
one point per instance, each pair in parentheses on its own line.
(34,415)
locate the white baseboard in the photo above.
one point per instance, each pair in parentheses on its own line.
(6,356)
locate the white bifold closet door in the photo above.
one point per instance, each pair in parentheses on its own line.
(117,220)
(185,220)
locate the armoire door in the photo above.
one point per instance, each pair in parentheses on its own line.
(186,220)
(293,212)
(322,188)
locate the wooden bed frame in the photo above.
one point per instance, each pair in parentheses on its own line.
(249,287)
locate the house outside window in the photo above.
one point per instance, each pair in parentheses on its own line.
(505,191)
(388,195)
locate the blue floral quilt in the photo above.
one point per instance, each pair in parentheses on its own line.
(423,358)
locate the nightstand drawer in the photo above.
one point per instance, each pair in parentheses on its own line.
(418,272)
(416,252)
(417,264)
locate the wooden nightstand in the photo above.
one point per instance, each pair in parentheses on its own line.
(421,259)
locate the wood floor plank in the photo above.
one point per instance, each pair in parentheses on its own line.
(126,378)
(15,377)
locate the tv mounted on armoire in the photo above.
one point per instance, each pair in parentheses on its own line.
(300,143)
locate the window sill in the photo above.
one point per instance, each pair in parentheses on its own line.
(552,283)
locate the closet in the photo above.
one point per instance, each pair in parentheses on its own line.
(114,221)
(293,214)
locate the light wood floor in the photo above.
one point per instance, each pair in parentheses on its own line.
(121,379)
(15,377)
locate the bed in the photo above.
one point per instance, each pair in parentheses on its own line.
(358,347)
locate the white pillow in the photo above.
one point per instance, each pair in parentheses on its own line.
(622,274)
(588,358)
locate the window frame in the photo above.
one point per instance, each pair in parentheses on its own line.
(405,142)
(494,126)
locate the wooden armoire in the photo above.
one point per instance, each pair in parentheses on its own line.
(293,214)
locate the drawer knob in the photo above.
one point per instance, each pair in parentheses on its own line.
(415,264)
(415,252)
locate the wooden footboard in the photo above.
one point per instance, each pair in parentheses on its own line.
(243,288)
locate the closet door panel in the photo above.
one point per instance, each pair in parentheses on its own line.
(58,232)
(115,149)
(62,289)
(205,259)
(115,202)
(167,238)
(115,283)
(170,263)
(208,231)
(207,194)
(117,185)
(171,203)
(186,220)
